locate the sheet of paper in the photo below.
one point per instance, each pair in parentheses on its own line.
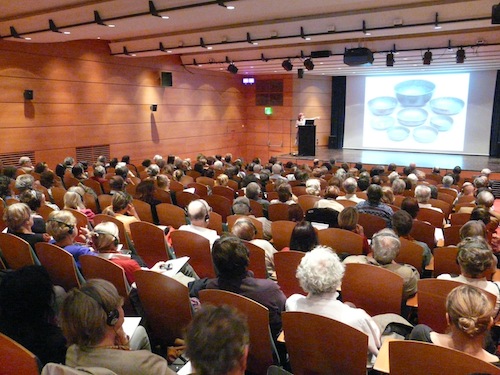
(187,369)
(130,324)
(174,265)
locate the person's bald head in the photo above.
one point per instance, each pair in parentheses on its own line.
(198,212)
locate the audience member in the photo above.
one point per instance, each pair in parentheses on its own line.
(19,221)
(348,220)
(217,341)
(198,213)
(423,195)
(374,206)
(330,199)
(304,237)
(241,206)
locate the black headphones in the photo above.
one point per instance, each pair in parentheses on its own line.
(116,241)
(71,227)
(111,316)
(207,212)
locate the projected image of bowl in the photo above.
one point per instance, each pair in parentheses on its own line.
(447,106)
(425,134)
(412,116)
(382,106)
(414,93)
(382,122)
(441,123)
(398,133)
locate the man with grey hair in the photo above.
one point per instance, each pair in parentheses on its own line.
(484,199)
(276,170)
(25,164)
(241,206)
(385,247)
(320,273)
(447,181)
(253,191)
(423,195)
(350,185)
(398,186)
(24,182)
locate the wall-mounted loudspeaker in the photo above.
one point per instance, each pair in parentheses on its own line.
(28,94)
(495,14)
(153,107)
(166,79)
(300,73)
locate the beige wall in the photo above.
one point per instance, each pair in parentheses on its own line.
(84,97)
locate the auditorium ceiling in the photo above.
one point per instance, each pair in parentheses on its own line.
(257,36)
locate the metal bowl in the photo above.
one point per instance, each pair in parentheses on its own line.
(441,123)
(425,134)
(382,106)
(398,133)
(446,106)
(414,93)
(382,122)
(412,116)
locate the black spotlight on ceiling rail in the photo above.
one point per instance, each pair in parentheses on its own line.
(308,64)
(389,59)
(460,56)
(287,65)
(14,33)
(154,11)
(232,68)
(427,57)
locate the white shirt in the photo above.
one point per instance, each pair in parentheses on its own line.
(269,251)
(210,234)
(329,203)
(329,306)
(350,197)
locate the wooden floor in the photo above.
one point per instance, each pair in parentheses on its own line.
(423,160)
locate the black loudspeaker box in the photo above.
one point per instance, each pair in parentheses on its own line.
(166,79)
(300,73)
(28,94)
(495,14)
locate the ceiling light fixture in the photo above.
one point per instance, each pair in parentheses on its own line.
(250,41)
(99,21)
(263,58)
(427,57)
(231,68)
(154,11)
(365,31)
(389,59)
(222,4)
(14,33)
(203,45)
(195,63)
(460,56)
(308,63)
(287,65)
(303,35)
(436,22)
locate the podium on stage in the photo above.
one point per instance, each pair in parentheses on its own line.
(307,140)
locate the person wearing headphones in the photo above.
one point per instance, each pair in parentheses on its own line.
(92,321)
(198,213)
(105,240)
(61,225)
(20,221)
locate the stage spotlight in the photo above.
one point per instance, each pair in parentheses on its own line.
(389,60)
(287,65)
(232,68)
(460,56)
(308,63)
(427,58)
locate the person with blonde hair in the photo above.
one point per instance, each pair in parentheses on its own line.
(123,209)
(469,316)
(61,225)
(92,320)
(20,221)
(348,220)
(74,199)
(221,180)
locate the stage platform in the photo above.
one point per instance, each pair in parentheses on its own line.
(422,160)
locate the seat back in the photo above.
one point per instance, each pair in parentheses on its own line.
(44,211)
(346,202)
(186,180)
(432,295)
(449,191)
(443,205)
(176,186)
(410,253)
(431,216)
(282,232)
(143,210)
(199,189)
(163,196)
(257,208)
(169,214)
(16,359)
(166,304)
(94,185)
(445,260)
(451,235)
(307,201)
(221,205)
(149,242)
(424,232)
(459,218)
(58,196)
(224,191)
(260,355)
(341,240)
(257,260)
(371,224)
(16,252)
(183,198)
(82,221)
(278,211)
(345,353)
(383,294)
(206,181)
(100,268)
(60,265)
(231,219)
(215,222)
(416,358)
(104,200)
(197,248)
(59,369)
(285,264)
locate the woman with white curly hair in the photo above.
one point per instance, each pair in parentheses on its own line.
(320,273)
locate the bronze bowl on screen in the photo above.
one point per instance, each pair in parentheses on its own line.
(414,93)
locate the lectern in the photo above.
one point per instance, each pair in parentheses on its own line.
(307,140)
